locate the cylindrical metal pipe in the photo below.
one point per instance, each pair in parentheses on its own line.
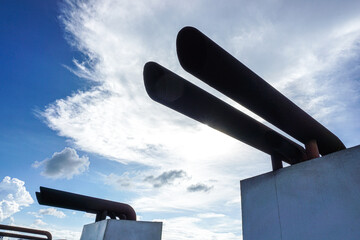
(56,198)
(20,236)
(311,150)
(276,162)
(171,90)
(24,230)
(206,60)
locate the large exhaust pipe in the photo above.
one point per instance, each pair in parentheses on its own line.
(101,207)
(204,59)
(173,91)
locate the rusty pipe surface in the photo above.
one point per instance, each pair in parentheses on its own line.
(56,198)
(206,60)
(311,150)
(24,230)
(173,91)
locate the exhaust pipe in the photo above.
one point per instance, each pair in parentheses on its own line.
(171,90)
(207,61)
(102,208)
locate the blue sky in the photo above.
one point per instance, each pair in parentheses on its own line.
(75,115)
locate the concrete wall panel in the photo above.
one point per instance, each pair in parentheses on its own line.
(317,199)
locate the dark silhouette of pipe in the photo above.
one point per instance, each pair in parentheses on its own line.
(24,230)
(204,59)
(100,207)
(171,90)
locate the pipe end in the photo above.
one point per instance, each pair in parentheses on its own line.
(191,49)
(161,84)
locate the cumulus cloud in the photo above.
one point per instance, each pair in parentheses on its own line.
(200,187)
(13,197)
(165,178)
(64,164)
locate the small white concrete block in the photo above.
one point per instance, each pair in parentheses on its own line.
(111,229)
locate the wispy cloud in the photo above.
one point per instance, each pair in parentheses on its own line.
(134,129)
(210,215)
(306,51)
(56,232)
(64,164)
(48,211)
(128,181)
(192,228)
(13,197)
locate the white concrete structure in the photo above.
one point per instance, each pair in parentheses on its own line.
(110,229)
(313,200)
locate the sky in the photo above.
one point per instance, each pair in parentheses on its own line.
(75,116)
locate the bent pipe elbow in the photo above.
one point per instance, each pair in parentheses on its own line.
(62,199)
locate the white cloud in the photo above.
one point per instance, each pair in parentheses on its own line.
(304,50)
(193,228)
(52,212)
(39,223)
(120,182)
(48,211)
(56,232)
(90,215)
(135,129)
(13,197)
(64,234)
(64,164)
(210,215)
(9,221)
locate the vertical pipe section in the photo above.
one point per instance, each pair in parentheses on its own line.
(276,162)
(204,59)
(171,90)
(311,149)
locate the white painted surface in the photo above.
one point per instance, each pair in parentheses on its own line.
(317,199)
(122,230)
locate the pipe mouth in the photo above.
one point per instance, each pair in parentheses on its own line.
(39,197)
(162,85)
(191,49)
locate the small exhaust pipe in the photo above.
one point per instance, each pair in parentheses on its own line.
(102,208)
